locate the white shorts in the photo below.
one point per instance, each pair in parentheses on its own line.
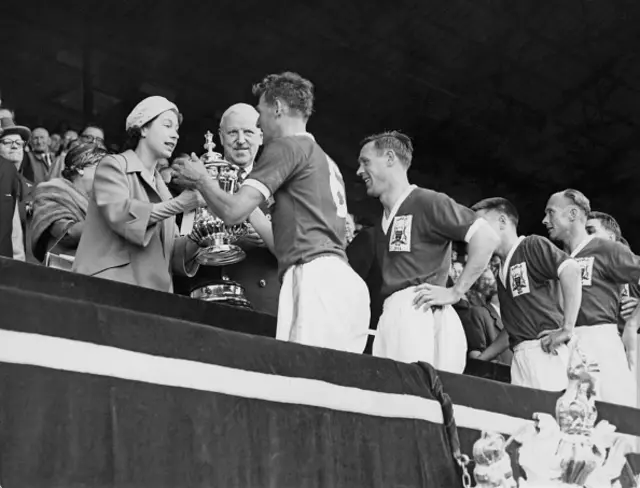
(324,303)
(534,368)
(615,382)
(408,334)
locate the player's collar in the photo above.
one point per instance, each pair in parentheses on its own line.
(507,261)
(308,134)
(581,246)
(386,221)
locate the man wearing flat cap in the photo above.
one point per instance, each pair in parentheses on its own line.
(12,141)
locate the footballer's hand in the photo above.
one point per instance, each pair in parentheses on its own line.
(189,171)
(627,306)
(427,296)
(550,340)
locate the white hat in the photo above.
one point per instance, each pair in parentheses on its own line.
(148,109)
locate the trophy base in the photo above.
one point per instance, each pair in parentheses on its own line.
(228,292)
(220,255)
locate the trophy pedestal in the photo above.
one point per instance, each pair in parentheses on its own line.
(223,291)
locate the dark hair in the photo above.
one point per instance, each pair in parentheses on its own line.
(288,87)
(578,199)
(498,204)
(93,126)
(395,141)
(608,222)
(81,156)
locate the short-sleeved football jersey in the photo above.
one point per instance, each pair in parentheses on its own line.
(606,267)
(416,246)
(528,289)
(310,209)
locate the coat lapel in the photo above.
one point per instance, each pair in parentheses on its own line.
(134,165)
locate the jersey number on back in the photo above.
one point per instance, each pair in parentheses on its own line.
(337,189)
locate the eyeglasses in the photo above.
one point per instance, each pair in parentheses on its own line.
(92,139)
(12,142)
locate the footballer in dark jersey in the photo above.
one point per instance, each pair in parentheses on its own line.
(414,251)
(606,267)
(536,327)
(323,302)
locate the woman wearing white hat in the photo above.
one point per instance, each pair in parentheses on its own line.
(130,233)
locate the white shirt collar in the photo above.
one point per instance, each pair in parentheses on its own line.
(308,134)
(386,221)
(581,246)
(507,261)
(496,308)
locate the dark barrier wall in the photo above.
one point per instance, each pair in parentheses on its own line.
(43,303)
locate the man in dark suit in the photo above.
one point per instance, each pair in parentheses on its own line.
(12,141)
(258,272)
(361,253)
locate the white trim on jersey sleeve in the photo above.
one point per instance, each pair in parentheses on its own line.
(261,187)
(474,228)
(563,265)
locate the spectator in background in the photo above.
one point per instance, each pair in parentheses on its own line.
(12,141)
(60,204)
(38,162)
(94,135)
(55,143)
(482,323)
(91,134)
(67,138)
(455,271)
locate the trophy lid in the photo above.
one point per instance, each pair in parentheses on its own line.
(210,156)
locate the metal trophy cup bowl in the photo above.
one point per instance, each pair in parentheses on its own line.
(215,238)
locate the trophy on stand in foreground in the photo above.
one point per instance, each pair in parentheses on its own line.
(216,239)
(569,451)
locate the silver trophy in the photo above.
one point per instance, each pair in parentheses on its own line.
(222,291)
(215,238)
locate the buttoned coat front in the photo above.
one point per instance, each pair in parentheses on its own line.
(117,242)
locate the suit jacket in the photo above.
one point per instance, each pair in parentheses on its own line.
(10,193)
(117,242)
(482,324)
(34,168)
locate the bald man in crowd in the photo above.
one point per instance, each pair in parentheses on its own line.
(258,272)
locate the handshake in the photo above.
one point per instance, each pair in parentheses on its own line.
(185,172)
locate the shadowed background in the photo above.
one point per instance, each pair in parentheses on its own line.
(518,99)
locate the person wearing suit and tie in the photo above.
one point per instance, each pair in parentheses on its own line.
(258,272)
(130,234)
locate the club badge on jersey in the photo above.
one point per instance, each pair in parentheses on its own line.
(586,267)
(400,235)
(519,279)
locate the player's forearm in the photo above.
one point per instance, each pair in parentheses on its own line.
(480,249)
(222,204)
(571,285)
(497,347)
